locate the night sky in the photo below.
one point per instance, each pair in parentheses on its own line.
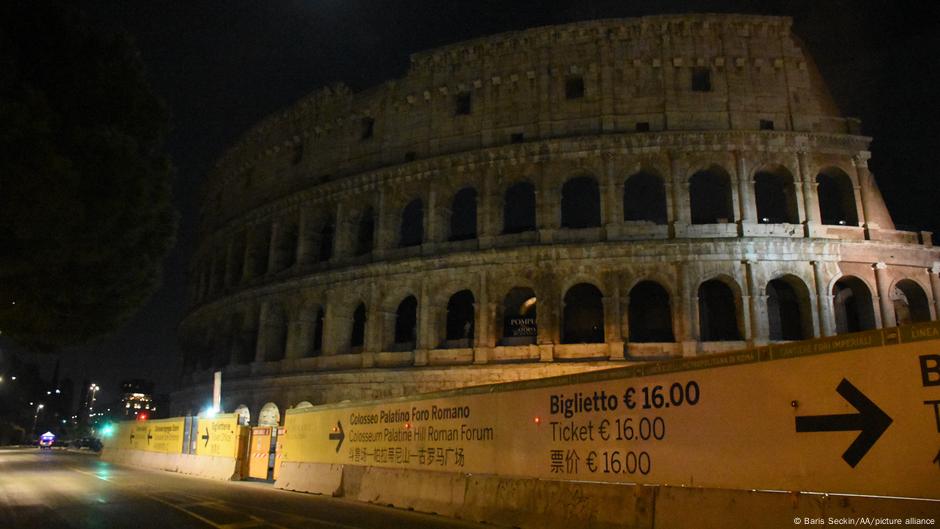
(222,66)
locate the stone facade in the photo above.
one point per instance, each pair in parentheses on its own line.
(542,202)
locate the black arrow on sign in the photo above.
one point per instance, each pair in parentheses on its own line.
(206,437)
(870,419)
(149,437)
(338,436)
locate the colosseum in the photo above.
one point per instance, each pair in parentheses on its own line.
(538,203)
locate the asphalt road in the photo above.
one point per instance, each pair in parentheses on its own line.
(59,489)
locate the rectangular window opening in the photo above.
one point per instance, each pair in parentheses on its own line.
(701,80)
(410,156)
(574,87)
(766,124)
(643,126)
(462,104)
(367,128)
(516,137)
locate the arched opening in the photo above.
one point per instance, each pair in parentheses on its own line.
(583,315)
(303,404)
(836,197)
(775,196)
(788,311)
(286,254)
(580,203)
(242,339)
(236,268)
(260,249)
(910,302)
(412,224)
(365,233)
(717,312)
(650,315)
(244,415)
(327,233)
(519,208)
(313,331)
(269,415)
(358,334)
(460,319)
(463,215)
(406,324)
(710,196)
(644,198)
(852,304)
(519,317)
(275,333)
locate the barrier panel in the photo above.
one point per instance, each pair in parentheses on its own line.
(279,451)
(853,414)
(260,452)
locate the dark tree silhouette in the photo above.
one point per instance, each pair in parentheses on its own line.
(85,185)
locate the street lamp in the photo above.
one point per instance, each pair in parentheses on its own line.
(36,417)
(94,393)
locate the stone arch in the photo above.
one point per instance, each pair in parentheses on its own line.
(463,215)
(775,195)
(365,231)
(244,415)
(269,415)
(406,324)
(580,203)
(357,334)
(852,305)
(910,302)
(411,228)
(312,316)
(286,248)
(718,310)
(274,332)
(519,316)
(710,196)
(836,195)
(644,198)
(650,313)
(583,314)
(789,311)
(460,319)
(519,208)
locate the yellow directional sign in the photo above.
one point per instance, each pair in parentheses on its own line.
(163,435)
(852,414)
(218,436)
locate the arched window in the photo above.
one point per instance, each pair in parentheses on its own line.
(710,196)
(286,246)
(717,312)
(775,196)
(519,317)
(365,233)
(644,198)
(519,208)
(275,333)
(406,322)
(412,224)
(580,203)
(326,241)
(463,215)
(583,315)
(314,345)
(852,304)
(244,415)
(269,415)
(650,316)
(460,319)
(788,312)
(358,334)
(910,302)
(836,198)
(260,249)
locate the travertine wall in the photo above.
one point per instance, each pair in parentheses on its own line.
(283,211)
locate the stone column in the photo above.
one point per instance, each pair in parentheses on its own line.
(865,193)
(680,190)
(606,94)
(612,195)
(612,334)
(304,250)
(546,319)
(273,244)
(262,340)
(328,343)
(342,234)
(824,300)
(487,228)
(687,311)
(424,339)
(248,263)
(935,289)
(745,190)
(810,195)
(383,239)
(883,284)
(229,255)
(431,221)
(299,336)
(757,308)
